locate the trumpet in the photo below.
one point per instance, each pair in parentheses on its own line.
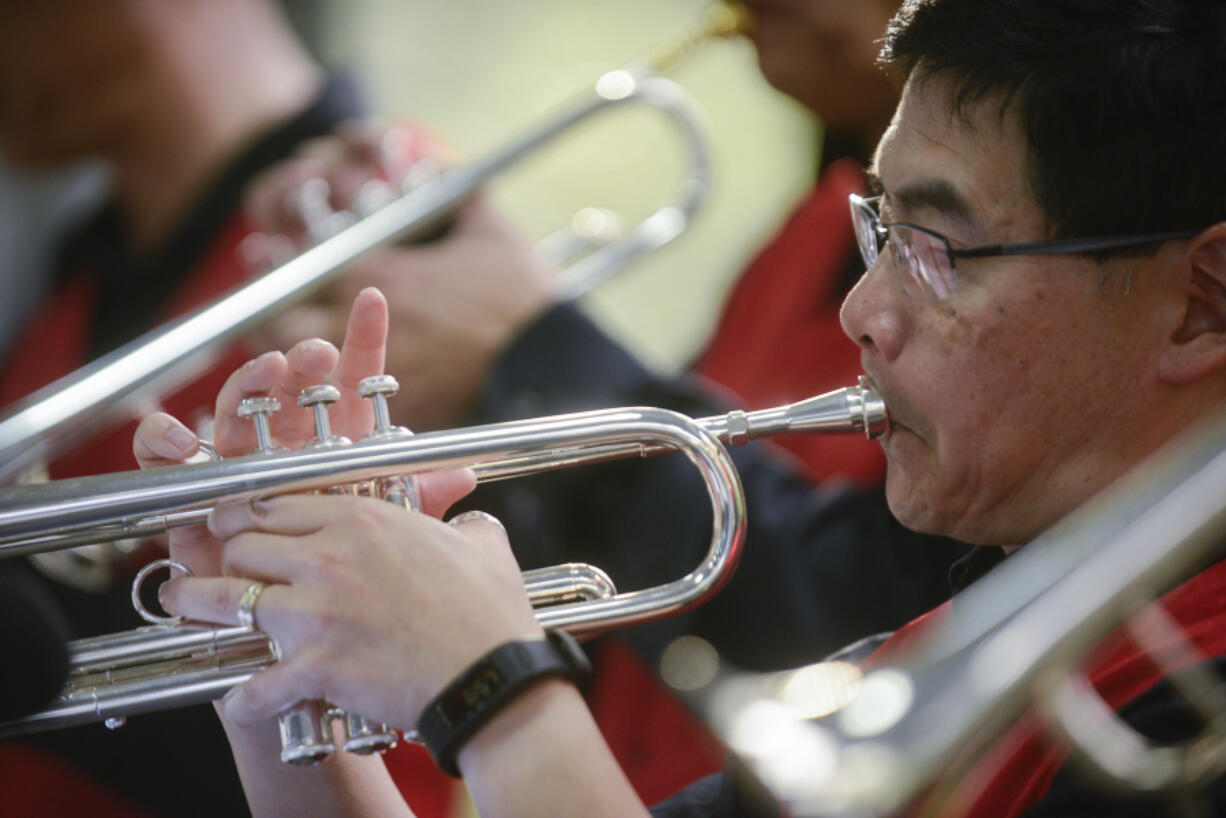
(116,386)
(165,666)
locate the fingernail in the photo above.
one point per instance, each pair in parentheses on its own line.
(162,598)
(259,508)
(183,440)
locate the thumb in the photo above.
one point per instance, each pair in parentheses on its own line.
(161,440)
(441,489)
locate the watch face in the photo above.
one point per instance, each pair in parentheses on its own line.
(483,683)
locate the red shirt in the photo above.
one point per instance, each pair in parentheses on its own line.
(1017,771)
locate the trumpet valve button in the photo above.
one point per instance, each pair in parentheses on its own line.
(322,393)
(378,388)
(258,409)
(378,385)
(257,405)
(318,398)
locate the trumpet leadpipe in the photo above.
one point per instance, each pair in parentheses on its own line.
(65,513)
(848,410)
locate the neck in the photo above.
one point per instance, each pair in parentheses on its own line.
(208,103)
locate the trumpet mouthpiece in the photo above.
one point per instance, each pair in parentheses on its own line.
(722,20)
(728,20)
(851,409)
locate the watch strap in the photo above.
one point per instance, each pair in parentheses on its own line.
(489,684)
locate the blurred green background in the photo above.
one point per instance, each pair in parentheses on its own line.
(481,71)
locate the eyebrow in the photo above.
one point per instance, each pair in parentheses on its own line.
(930,194)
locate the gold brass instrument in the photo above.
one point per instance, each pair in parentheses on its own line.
(912,731)
(169,666)
(117,385)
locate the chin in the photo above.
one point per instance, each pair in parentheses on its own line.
(910,510)
(918,512)
(917,521)
(951,524)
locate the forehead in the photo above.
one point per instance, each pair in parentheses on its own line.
(933,158)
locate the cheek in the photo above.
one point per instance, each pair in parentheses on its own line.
(1001,359)
(1003,443)
(976,369)
(999,377)
(983,424)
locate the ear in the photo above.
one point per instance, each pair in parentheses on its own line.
(1198,347)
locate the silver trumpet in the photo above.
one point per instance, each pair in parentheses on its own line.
(165,666)
(121,384)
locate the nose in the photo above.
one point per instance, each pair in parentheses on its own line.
(872,314)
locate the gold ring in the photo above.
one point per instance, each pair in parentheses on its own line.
(246,604)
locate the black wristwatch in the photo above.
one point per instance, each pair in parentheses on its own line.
(477,694)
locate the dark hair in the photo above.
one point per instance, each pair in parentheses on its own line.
(1123,102)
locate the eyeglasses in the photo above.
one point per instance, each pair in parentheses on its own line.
(924,260)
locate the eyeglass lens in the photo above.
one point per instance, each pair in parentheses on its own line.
(923,262)
(920,259)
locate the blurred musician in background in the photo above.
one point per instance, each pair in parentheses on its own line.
(1038,321)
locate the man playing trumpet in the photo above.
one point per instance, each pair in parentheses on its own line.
(1045,307)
